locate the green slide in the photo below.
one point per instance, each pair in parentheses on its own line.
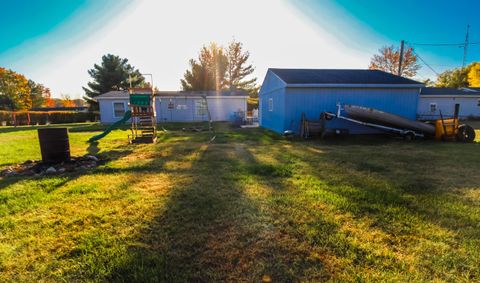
(114,126)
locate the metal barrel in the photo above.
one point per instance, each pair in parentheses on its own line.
(54,145)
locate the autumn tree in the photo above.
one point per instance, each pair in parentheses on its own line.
(455,78)
(239,69)
(14,90)
(112,74)
(208,71)
(48,100)
(389,59)
(474,75)
(66,101)
(38,93)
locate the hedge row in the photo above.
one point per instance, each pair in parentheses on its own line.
(42,118)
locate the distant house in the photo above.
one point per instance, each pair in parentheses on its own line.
(433,100)
(178,106)
(287,93)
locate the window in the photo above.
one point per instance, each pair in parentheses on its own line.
(200,107)
(171,105)
(433,107)
(270,104)
(478,103)
(118,109)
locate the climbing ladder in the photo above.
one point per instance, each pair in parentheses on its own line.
(144,121)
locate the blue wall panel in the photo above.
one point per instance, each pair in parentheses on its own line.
(313,101)
(272,88)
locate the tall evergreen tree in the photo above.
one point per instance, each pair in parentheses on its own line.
(112,74)
(238,69)
(208,73)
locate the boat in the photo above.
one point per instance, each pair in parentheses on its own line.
(374,116)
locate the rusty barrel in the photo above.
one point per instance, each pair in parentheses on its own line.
(54,144)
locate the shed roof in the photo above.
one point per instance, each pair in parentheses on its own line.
(124,94)
(449,91)
(340,76)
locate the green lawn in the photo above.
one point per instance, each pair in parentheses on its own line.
(249,206)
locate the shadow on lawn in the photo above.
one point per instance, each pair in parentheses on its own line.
(210,229)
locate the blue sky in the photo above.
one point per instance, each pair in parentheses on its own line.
(55,42)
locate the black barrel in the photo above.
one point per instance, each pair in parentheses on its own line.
(54,144)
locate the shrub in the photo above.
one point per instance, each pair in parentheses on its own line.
(42,117)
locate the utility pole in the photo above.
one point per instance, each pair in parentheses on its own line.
(465,48)
(402,43)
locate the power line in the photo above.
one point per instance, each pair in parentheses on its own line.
(426,64)
(445,44)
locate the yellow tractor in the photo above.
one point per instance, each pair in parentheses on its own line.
(451,130)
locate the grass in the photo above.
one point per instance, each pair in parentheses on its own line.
(252,205)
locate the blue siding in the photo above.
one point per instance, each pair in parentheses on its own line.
(272,88)
(313,101)
(221,108)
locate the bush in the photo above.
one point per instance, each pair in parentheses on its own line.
(42,118)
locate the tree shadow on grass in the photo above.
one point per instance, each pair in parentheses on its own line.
(209,229)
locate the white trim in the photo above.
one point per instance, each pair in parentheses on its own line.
(113,109)
(450,96)
(270,105)
(358,85)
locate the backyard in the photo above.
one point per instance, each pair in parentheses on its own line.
(250,206)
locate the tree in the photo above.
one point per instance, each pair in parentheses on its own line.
(474,75)
(389,59)
(455,78)
(38,93)
(14,90)
(48,101)
(428,83)
(238,69)
(112,74)
(208,73)
(66,101)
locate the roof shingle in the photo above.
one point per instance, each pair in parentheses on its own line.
(339,76)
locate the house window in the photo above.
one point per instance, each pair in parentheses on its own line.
(200,107)
(171,105)
(118,109)
(433,107)
(478,103)
(270,104)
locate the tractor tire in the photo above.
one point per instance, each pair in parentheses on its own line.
(465,133)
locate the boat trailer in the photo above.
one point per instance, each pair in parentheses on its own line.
(408,134)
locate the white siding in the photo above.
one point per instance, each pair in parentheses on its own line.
(446,104)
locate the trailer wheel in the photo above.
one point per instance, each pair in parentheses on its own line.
(409,136)
(465,133)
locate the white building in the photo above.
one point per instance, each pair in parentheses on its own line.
(432,100)
(179,106)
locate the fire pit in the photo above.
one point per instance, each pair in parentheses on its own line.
(54,145)
(40,168)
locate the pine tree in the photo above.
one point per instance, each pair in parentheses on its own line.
(112,74)
(239,69)
(208,73)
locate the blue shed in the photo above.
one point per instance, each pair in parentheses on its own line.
(287,93)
